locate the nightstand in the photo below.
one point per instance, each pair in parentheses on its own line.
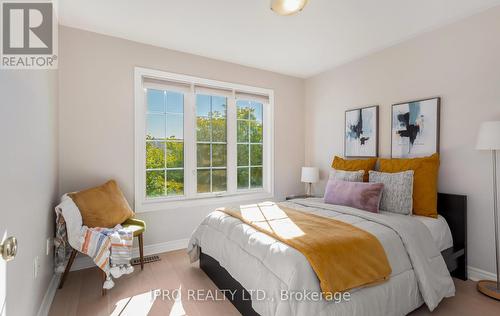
(300,196)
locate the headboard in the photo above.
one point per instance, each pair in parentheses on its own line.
(454,209)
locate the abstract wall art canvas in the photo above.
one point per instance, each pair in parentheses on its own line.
(361,132)
(415,128)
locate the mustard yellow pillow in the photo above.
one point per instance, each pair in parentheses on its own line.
(103,206)
(425,181)
(355,165)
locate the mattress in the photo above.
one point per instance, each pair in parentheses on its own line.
(260,263)
(440,231)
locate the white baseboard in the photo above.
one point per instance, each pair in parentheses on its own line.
(49,296)
(85,262)
(476,274)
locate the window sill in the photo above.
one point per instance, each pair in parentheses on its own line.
(183,202)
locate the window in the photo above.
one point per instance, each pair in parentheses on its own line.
(164,143)
(211,143)
(197,139)
(250,144)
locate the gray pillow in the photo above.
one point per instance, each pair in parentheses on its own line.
(397,196)
(350,176)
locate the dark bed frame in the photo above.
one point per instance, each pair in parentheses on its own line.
(452,207)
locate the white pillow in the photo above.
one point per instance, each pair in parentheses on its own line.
(350,176)
(397,196)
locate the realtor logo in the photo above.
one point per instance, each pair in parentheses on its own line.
(28,35)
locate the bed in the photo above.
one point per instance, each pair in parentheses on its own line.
(257,269)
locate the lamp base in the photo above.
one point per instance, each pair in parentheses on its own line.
(308,188)
(489,288)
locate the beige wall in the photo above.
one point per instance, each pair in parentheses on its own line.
(28,180)
(460,63)
(97,118)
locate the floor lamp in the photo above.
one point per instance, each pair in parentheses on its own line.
(489,139)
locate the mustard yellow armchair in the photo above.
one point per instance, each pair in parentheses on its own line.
(138,227)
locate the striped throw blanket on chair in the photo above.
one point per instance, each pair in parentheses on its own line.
(109,248)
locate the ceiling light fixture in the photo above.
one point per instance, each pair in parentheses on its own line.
(288,7)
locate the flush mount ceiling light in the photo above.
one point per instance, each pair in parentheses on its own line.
(288,7)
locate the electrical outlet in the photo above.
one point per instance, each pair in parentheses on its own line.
(48,246)
(36,267)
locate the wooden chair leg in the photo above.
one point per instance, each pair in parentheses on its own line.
(141,250)
(103,293)
(68,267)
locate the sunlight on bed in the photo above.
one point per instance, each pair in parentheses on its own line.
(137,305)
(270,217)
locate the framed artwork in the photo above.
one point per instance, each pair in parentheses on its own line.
(361,132)
(415,128)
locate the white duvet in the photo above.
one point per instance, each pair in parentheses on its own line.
(261,263)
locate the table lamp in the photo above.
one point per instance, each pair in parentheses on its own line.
(310,175)
(489,139)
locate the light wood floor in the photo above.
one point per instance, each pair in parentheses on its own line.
(131,295)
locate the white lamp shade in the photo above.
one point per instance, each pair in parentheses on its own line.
(489,136)
(310,174)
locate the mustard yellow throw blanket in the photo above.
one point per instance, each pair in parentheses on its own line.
(342,256)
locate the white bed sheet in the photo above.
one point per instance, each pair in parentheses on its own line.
(440,231)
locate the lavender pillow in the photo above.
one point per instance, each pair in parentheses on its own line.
(360,195)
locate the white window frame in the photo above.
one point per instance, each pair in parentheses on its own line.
(191,197)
